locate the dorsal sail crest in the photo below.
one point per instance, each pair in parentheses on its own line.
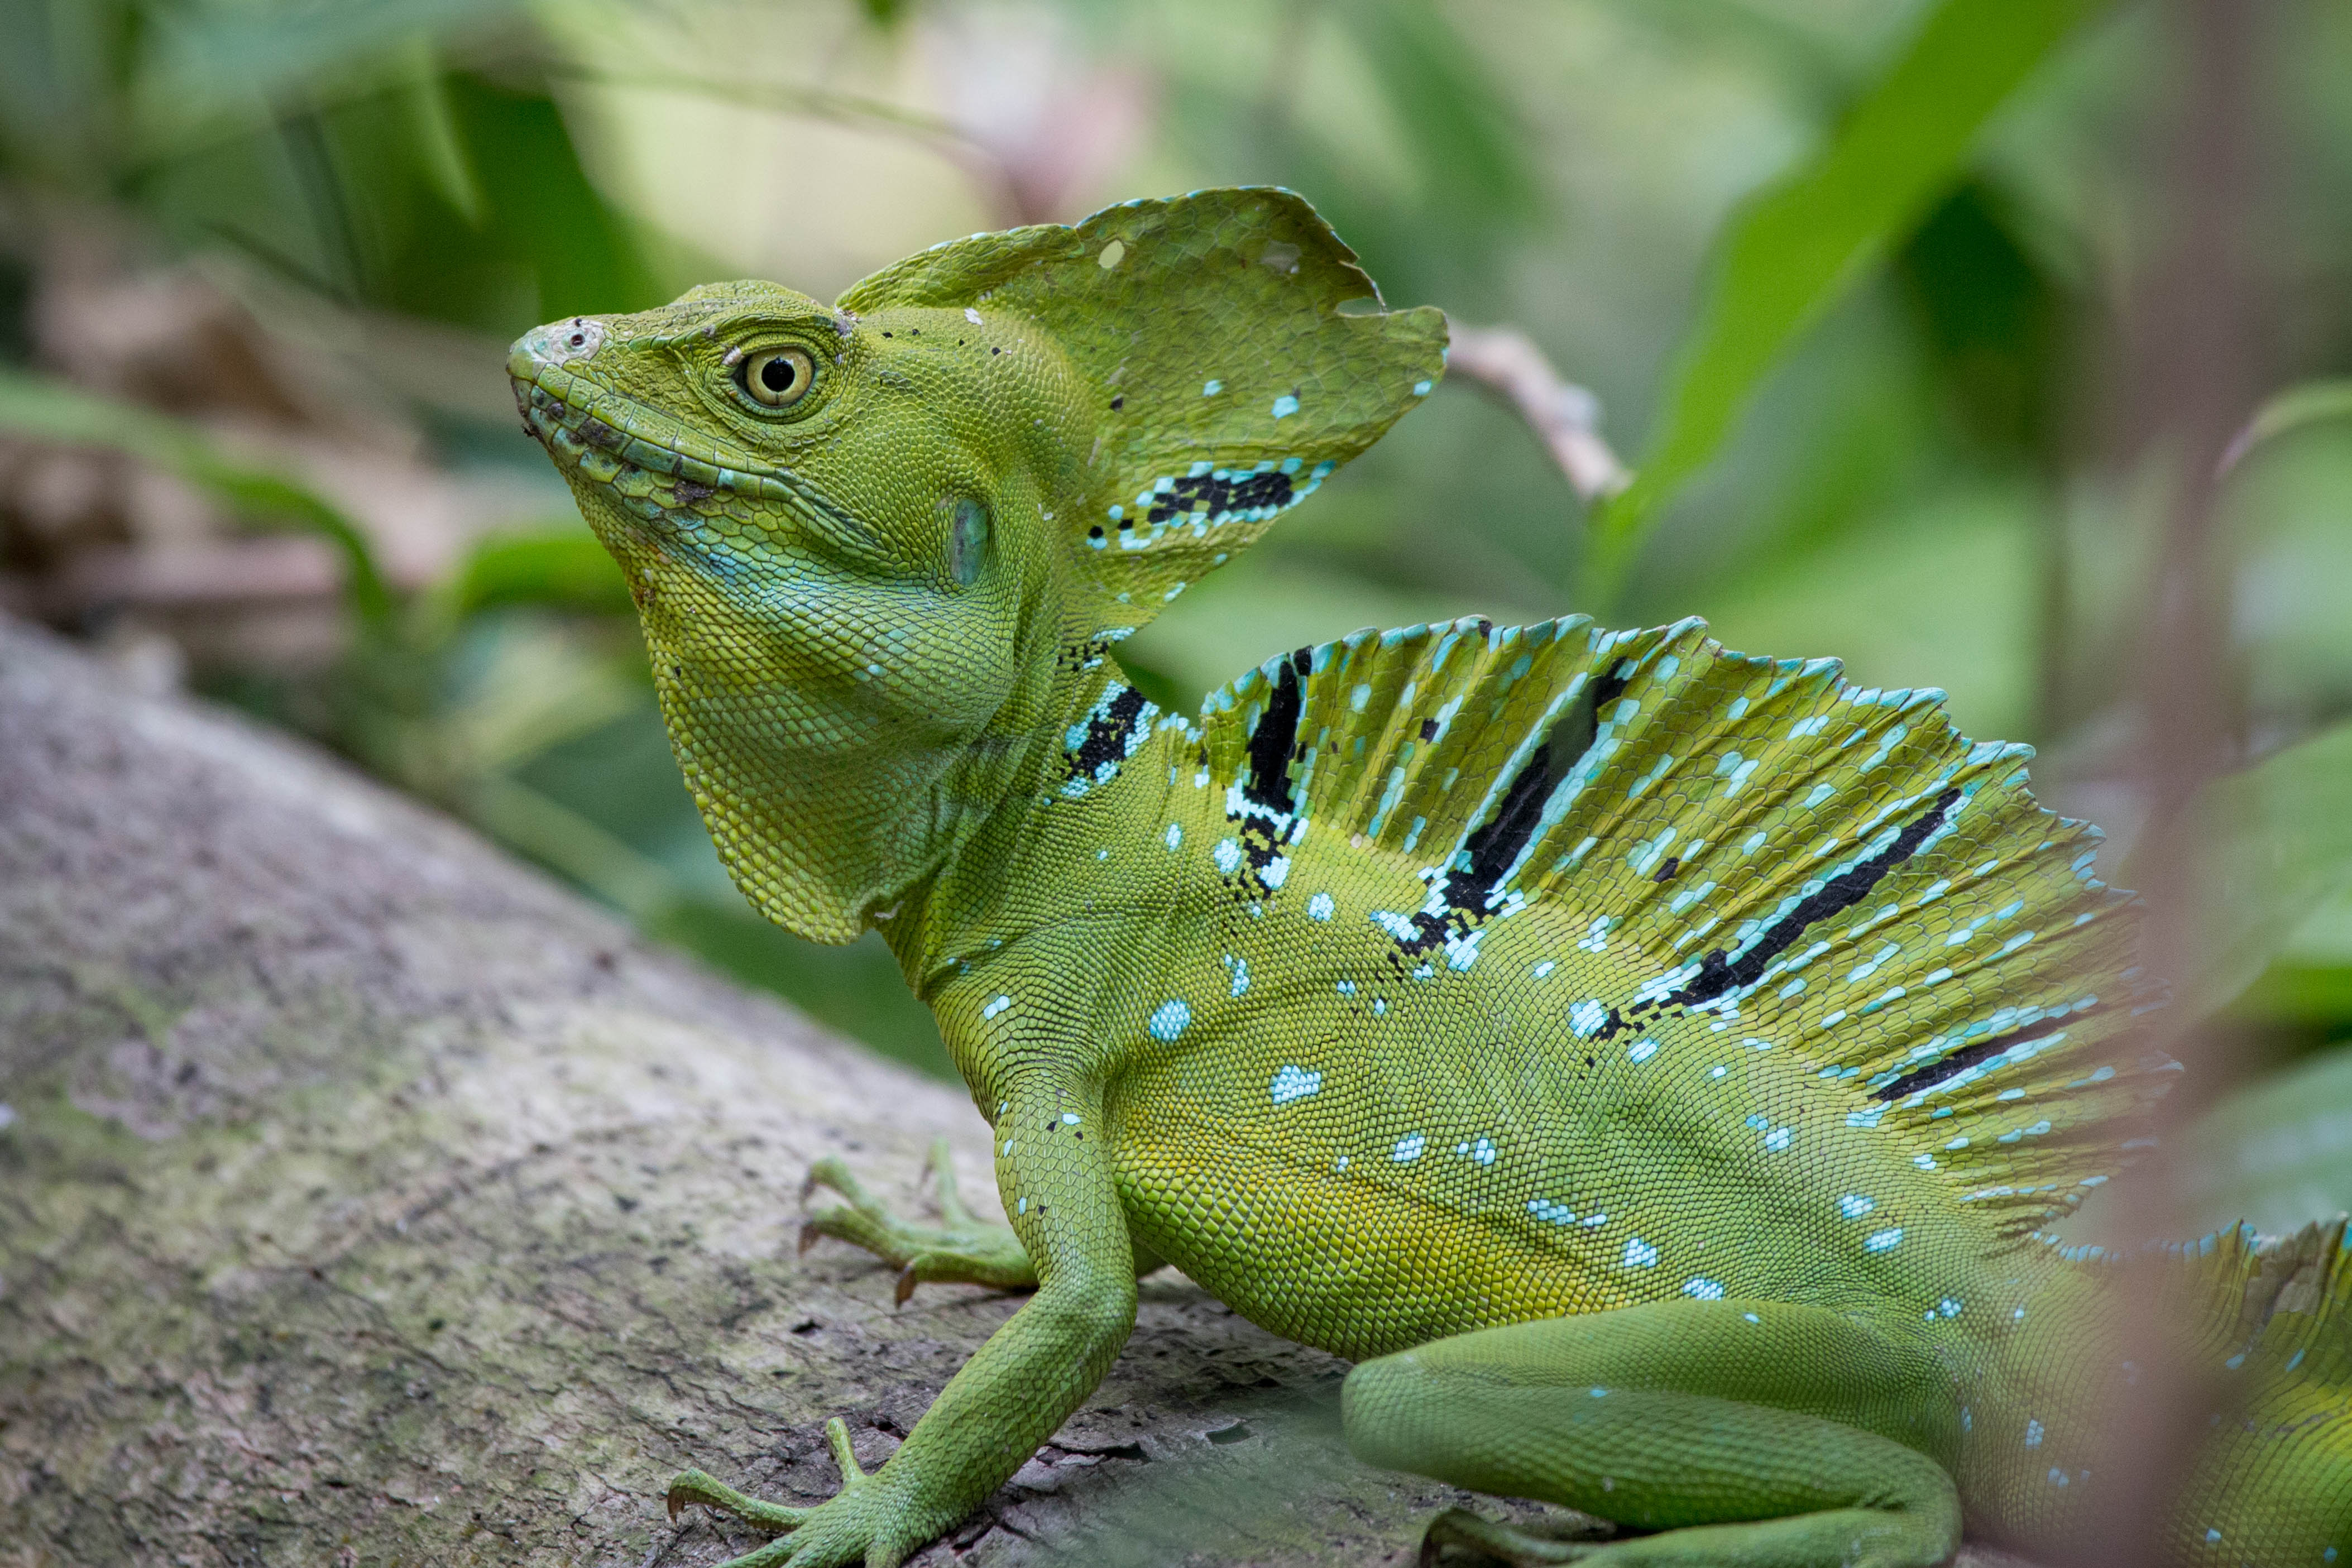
(1837,869)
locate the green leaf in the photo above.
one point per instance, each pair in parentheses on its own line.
(2276,843)
(2309,984)
(1795,248)
(542,212)
(2309,981)
(217,56)
(563,566)
(41,409)
(1992,320)
(1455,115)
(2271,1153)
(2313,403)
(1936,595)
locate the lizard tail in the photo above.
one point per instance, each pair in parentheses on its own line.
(2273,1483)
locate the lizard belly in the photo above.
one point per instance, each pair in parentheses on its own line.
(1364,1196)
(1318,1255)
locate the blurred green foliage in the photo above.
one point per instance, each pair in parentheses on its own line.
(1847,276)
(1790,253)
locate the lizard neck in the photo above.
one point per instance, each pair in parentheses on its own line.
(1078,769)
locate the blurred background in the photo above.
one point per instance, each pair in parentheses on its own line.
(1864,289)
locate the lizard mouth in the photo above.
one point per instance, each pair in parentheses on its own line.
(640,456)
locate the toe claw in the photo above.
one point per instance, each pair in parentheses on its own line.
(906,1285)
(687,1487)
(836,1438)
(809,1233)
(698,1485)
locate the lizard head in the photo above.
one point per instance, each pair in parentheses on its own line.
(865,539)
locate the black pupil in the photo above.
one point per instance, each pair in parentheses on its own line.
(778,374)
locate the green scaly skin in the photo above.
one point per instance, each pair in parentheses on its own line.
(1655,1064)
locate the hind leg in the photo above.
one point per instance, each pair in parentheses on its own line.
(1750,1434)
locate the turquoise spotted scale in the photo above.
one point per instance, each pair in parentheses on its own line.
(1660,1067)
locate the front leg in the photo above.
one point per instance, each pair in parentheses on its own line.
(966,1250)
(1052,1166)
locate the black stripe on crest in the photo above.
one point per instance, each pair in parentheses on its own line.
(1718,974)
(1496,844)
(1276,736)
(1968,1055)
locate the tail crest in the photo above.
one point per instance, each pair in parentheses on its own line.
(2274,1479)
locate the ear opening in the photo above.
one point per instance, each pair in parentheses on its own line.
(1237,355)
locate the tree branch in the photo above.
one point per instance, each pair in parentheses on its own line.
(1565,418)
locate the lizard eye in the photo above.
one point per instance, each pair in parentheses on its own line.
(777,378)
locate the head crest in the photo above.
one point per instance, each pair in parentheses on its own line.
(1227,380)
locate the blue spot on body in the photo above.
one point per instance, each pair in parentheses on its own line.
(1294,1084)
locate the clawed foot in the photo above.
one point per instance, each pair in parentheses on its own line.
(966,1250)
(850,1535)
(701,1486)
(1458,1527)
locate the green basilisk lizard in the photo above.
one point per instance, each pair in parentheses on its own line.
(1656,1066)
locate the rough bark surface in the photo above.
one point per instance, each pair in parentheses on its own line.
(367,1200)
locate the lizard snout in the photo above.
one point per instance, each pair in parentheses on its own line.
(557,343)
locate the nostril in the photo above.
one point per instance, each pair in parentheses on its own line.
(561,342)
